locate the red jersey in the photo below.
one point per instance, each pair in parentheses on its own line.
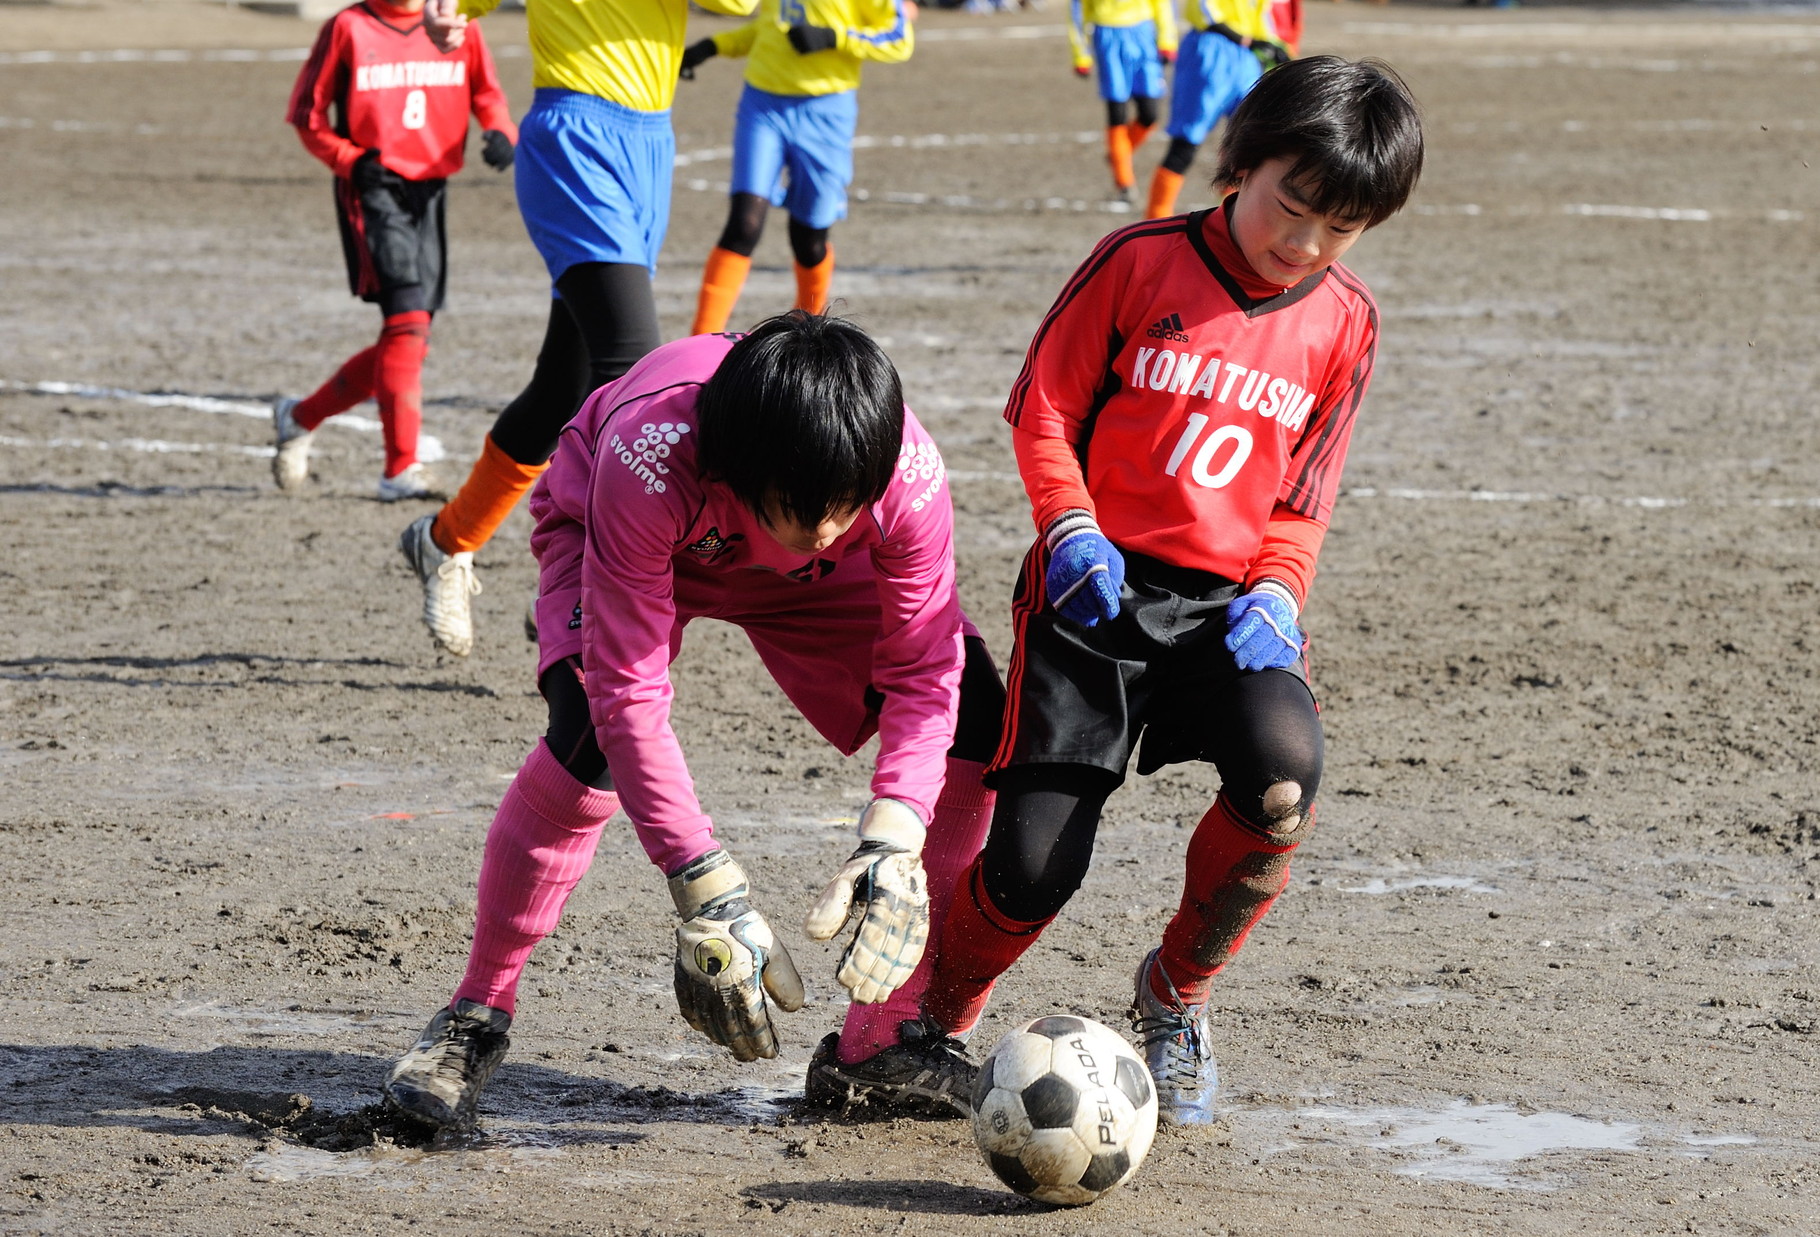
(1198,403)
(392,90)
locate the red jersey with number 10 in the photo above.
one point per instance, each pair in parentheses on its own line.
(1194,405)
(394,92)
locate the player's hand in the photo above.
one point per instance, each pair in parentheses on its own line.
(1083,70)
(368,173)
(806,38)
(885,886)
(694,54)
(1086,571)
(1261,630)
(1270,55)
(1167,54)
(444,23)
(727,959)
(496,149)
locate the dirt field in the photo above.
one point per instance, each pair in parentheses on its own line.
(1548,966)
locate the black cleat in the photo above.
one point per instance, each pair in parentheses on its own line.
(438,1081)
(925,1074)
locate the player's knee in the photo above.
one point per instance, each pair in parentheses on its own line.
(745,224)
(1288,816)
(1146,110)
(1117,113)
(808,245)
(1180,155)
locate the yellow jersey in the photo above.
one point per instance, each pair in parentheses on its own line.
(1114,13)
(863,30)
(1247,18)
(626,51)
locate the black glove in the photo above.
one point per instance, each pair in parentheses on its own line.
(1270,55)
(368,173)
(806,39)
(694,54)
(496,149)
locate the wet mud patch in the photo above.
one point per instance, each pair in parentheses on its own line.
(296,1116)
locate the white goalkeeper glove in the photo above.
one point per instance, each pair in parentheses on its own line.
(725,951)
(885,886)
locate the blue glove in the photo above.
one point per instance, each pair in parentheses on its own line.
(1086,571)
(1261,631)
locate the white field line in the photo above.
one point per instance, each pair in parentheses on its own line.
(1521,497)
(923,141)
(957,201)
(1743,30)
(429,447)
(509,51)
(1592,210)
(150,446)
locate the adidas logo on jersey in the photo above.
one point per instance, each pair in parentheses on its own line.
(1169,328)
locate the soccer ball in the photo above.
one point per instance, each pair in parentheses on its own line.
(1064,1110)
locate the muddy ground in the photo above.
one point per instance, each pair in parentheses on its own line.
(1548,966)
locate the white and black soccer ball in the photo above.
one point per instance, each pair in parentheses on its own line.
(1064,1110)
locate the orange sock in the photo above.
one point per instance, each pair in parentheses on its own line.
(812,283)
(1118,153)
(1139,133)
(494,486)
(1164,186)
(721,282)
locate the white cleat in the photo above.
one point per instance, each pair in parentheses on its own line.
(448,581)
(413,482)
(291,462)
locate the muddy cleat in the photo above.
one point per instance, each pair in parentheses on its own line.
(448,581)
(291,443)
(925,1074)
(438,1081)
(411,482)
(1174,1041)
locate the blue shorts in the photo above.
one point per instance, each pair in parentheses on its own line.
(1212,73)
(593,180)
(1128,62)
(808,136)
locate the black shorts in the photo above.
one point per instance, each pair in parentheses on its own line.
(393,237)
(1159,671)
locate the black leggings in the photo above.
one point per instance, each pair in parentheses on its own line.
(1047,816)
(746,223)
(1146,111)
(571,733)
(1179,155)
(604,321)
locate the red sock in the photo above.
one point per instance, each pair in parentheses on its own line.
(963,813)
(352,383)
(979,943)
(399,385)
(542,841)
(1234,875)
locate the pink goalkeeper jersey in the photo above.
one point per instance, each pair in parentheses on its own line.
(657,546)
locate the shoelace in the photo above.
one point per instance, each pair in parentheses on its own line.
(1181,1035)
(456,566)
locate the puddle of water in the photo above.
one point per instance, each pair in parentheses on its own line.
(1719,1140)
(1378,885)
(1476,1144)
(278,1022)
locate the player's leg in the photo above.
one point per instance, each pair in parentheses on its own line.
(819,157)
(1113,48)
(882,1054)
(398,386)
(541,842)
(1265,736)
(1212,74)
(1144,112)
(758,161)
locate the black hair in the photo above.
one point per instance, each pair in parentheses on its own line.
(1351,127)
(807,412)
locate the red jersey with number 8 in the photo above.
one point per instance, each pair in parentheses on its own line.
(1194,404)
(394,92)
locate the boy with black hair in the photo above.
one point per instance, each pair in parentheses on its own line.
(777,482)
(387,111)
(1180,422)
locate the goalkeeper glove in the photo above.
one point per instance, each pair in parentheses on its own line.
(1086,571)
(694,54)
(806,39)
(368,173)
(496,149)
(724,953)
(1270,55)
(885,886)
(1261,629)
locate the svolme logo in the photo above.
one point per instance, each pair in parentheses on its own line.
(1169,328)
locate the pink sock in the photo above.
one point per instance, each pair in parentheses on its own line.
(542,841)
(963,813)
